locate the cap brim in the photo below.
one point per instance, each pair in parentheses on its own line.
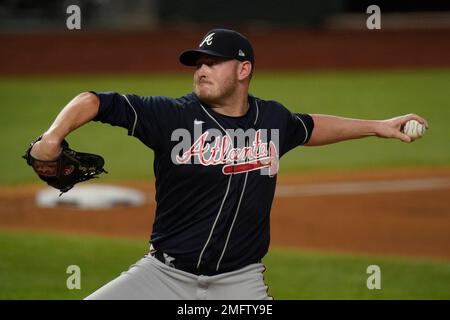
(189,57)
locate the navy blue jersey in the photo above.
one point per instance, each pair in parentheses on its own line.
(215,174)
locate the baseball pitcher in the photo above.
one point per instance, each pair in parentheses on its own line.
(217,151)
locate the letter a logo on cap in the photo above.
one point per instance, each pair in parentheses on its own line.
(208,40)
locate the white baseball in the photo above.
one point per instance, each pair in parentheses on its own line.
(414,129)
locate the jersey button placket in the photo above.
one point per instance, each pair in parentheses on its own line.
(202,287)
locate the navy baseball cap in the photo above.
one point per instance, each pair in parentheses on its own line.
(223,43)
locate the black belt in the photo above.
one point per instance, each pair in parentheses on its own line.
(187,267)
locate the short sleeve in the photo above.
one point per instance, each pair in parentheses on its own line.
(299,127)
(146,118)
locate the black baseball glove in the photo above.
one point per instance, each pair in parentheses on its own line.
(70,168)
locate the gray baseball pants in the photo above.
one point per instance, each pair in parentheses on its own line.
(151,279)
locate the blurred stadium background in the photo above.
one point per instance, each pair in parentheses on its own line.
(315,57)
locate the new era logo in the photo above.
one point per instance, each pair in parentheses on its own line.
(241,53)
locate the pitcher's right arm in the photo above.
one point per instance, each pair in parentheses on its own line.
(79,111)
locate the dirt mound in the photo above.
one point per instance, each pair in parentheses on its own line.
(397,222)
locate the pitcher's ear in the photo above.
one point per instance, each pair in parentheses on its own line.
(245,70)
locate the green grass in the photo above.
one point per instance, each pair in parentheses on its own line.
(33,266)
(307,275)
(30,104)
